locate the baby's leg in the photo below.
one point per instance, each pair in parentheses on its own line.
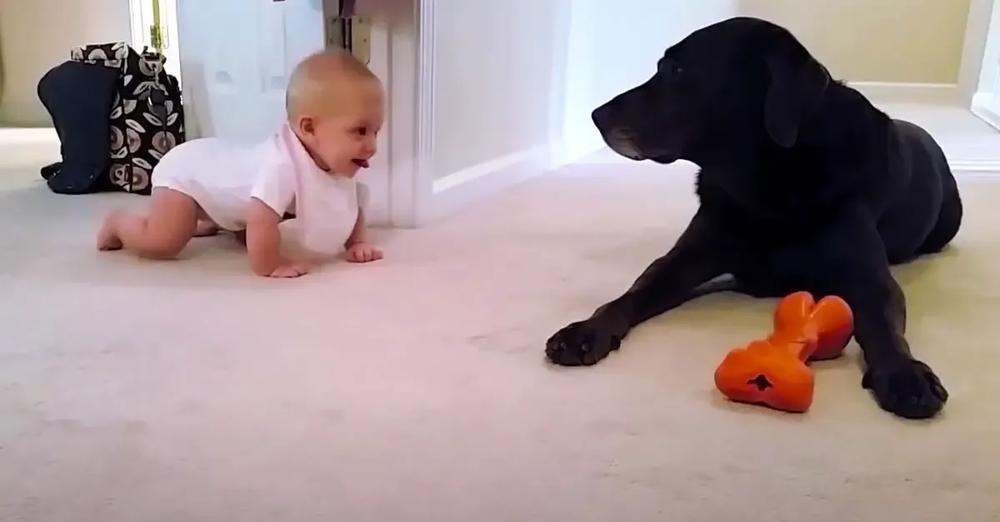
(162,234)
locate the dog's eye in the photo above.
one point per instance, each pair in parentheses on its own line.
(671,69)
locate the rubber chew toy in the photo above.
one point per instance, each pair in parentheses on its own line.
(774,372)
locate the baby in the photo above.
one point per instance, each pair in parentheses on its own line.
(335,111)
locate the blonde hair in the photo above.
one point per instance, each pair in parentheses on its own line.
(320,76)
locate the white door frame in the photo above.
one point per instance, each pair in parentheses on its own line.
(397,58)
(141,18)
(399,30)
(983,74)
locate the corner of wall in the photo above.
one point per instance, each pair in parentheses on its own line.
(457,190)
(975,56)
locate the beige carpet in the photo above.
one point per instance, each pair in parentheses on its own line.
(415,389)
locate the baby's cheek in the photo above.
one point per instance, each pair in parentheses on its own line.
(340,150)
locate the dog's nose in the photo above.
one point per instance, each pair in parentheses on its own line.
(601,116)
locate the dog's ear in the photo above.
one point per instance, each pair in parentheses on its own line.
(797,84)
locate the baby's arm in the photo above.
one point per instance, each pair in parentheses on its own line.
(264,244)
(359,250)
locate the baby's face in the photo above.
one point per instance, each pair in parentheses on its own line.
(345,140)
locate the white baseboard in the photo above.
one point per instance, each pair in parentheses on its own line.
(459,189)
(28,135)
(566,152)
(977,177)
(978,169)
(936,93)
(975,165)
(986,169)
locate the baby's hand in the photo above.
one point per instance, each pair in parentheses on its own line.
(294,269)
(363,253)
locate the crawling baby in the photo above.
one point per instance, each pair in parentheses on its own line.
(335,110)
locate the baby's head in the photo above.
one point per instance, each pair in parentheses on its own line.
(335,107)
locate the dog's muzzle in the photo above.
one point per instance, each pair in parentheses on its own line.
(623,142)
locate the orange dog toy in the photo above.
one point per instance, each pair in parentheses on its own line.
(775,372)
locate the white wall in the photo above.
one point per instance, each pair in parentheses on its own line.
(613,46)
(491,60)
(36,35)
(512,77)
(514,82)
(494,64)
(909,41)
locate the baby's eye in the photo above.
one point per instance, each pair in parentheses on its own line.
(361,130)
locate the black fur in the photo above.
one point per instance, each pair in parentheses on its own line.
(804,185)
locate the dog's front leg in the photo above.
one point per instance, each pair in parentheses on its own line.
(700,254)
(849,260)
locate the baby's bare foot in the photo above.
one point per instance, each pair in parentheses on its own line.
(206,229)
(107,239)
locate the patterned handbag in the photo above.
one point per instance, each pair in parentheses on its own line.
(147,115)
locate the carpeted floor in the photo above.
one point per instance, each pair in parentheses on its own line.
(415,389)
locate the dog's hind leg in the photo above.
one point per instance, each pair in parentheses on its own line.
(948,222)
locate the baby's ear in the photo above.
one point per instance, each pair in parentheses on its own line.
(306,126)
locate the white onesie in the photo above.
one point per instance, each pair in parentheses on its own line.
(222,177)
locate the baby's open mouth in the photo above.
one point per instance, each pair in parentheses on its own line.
(361,163)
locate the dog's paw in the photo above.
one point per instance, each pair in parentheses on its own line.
(581,343)
(908,388)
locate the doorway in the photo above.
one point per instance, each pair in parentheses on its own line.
(234,57)
(986,102)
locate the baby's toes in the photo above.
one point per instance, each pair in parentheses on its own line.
(107,239)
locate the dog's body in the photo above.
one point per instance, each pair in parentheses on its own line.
(804,185)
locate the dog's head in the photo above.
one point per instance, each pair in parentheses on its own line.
(741,79)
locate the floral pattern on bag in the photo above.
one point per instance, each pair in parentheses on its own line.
(147,116)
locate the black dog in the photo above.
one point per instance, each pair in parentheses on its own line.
(804,185)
